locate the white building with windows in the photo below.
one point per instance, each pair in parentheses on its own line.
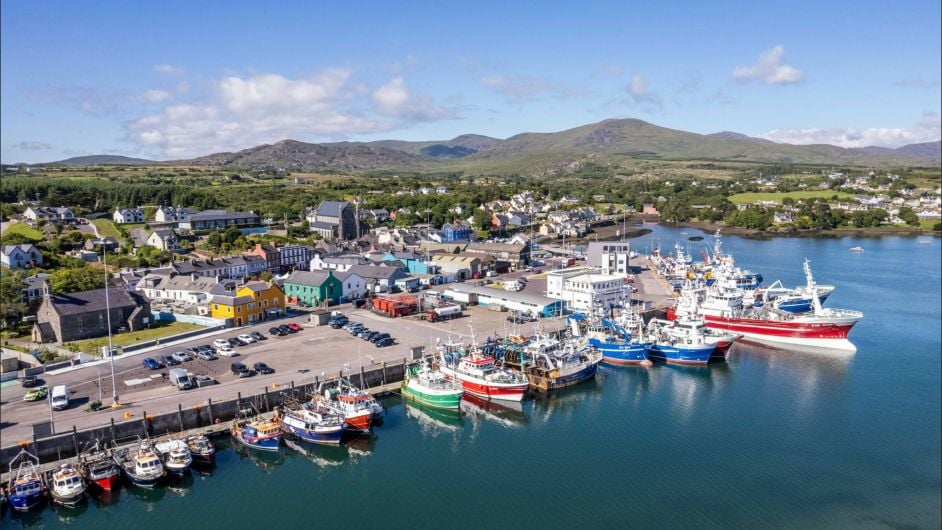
(582,287)
(610,256)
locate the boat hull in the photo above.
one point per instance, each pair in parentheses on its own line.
(203,458)
(265,444)
(142,481)
(107,483)
(359,423)
(440,399)
(68,499)
(321,435)
(693,356)
(505,392)
(25,503)
(830,335)
(622,354)
(554,382)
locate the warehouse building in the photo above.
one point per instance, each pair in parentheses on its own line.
(522,302)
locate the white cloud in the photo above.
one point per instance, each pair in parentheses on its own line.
(265,108)
(769,69)
(168,69)
(928,129)
(641,96)
(31,146)
(154,96)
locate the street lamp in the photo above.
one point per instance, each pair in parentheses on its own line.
(114,388)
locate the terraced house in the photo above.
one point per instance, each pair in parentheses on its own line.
(313,287)
(251,303)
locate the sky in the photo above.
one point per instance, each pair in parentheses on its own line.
(173,79)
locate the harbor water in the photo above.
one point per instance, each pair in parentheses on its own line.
(772,438)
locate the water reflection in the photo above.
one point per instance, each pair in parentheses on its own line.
(181,485)
(434,421)
(30,519)
(321,455)
(566,401)
(204,470)
(69,514)
(361,445)
(149,497)
(267,461)
(507,414)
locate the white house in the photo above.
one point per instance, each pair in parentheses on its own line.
(128,215)
(164,240)
(53,215)
(336,263)
(167,214)
(354,285)
(191,289)
(21,256)
(582,288)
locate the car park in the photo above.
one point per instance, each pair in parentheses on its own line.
(206,356)
(29,381)
(152,364)
(257,336)
(245,339)
(240,370)
(226,352)
(263,368)
(36,394)
(181,356)
(295,327)
(169,360)
(220,343)
(388,341)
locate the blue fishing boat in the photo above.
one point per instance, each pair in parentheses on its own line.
(314,423)
(259,434)
(612,339)
(27,489)
(676,344)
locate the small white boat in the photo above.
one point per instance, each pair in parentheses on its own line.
(175,455)
(856,249)
(67,485)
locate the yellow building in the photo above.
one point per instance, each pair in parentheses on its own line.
(252,303)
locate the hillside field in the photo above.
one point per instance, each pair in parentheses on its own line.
(741,198)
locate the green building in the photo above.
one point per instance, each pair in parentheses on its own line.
(313,287)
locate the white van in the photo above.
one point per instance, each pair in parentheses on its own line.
(180,379)
(59,397)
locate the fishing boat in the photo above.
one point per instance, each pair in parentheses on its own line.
(721,340)
(480,376)
(314,423)
(257,433)
(611,339)
(141,464)
(567,366)
(27,489)
(358,408)
(430,387)
(201,448)
(99,468)
(677,344)
(175,455)
(67,485)
(820,328)
(856,250)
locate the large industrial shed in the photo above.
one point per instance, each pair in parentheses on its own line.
(513,301)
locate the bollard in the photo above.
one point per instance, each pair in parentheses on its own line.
(144,424)
(180,416)
(211,418)
(362,378)
(384,373)
(75,440)
(292,385)
(112,430)
(267,407)
(238,402)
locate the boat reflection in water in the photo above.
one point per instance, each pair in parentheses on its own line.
(69,514)
(321,455)
(149,497)
(508,414)
(105,497)
(433,420)
(361,445)
(181,485)
(265,460)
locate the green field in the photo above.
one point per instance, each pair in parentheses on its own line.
(741,198)
(160,330)
(106,228)
(24,230)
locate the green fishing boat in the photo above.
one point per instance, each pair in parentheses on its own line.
(430,387)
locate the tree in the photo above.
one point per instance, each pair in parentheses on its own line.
(482,219)
(74,280)
(908,216)
(12,306)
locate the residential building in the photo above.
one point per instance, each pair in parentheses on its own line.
(314,287)
(285,258)
(164,240)
(582,288)
(52,215)
(34,286)
(191,289)
(171,214)
(334,220)
(414,263)
(84,315)
(270,254)
(338,262)
(252,302)
(97,244)
(648,208)
(128,215)
(21,256)
(609,256)
(378,278)
(353,285)
(218,219)
(457,231)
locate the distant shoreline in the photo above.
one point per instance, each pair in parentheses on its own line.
(709,228)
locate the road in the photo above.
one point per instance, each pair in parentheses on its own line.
(298,357)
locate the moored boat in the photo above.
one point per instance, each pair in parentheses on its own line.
(175,455)
(314,423)
(358,408)
(67,485)
(566,367)
(430,387)
(100,469)
(258,433)
(26,489)
(141,465)
(201,448)
(676,344)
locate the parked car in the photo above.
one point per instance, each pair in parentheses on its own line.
(240,370)
(37,393)
(285,328)
(257,336)
(204,347)
(181,356)
(263,368)
(378,337)
(361,333)
(369,335)
(234,342)
(295,327)
(169,360)
(336,324)
(226,352)
(152,364)
(276,332)
(515,319)
(206,355)
(388,341)
(348,325)
(220,343)
(245,339)
(29,381)
(360,302)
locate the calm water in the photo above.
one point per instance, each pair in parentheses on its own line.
(771,439)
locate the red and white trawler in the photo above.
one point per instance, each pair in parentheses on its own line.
(480,376)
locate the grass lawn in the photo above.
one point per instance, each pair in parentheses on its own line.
(106,228)
(927,224)
(741,198)
(161,329)
(24,230)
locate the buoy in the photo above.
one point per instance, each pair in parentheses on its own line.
(274,385)
(127,414)
(197,407)
(24,444)
(150,418)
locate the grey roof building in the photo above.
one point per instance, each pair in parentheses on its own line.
(83,315)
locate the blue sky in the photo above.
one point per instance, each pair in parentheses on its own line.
(168,79)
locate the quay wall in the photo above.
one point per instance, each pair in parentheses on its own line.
(67,444)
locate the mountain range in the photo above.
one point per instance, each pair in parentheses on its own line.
(607,141)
